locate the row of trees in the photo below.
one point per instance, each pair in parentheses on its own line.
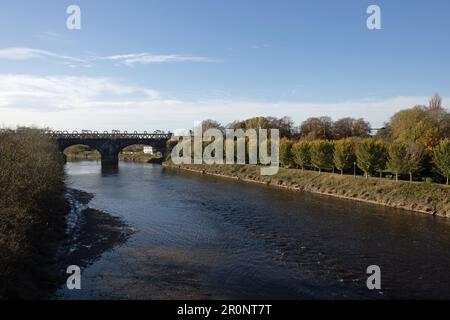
(424,124)
(369,155)
(310,129)
(412,141)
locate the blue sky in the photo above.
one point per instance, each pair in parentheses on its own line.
(143,65)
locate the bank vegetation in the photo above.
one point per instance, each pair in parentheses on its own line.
(32,208)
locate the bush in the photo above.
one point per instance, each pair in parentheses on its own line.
(31,206)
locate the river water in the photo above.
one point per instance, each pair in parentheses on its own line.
(199,237)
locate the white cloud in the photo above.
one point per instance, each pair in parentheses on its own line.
(28,92)
(147,58)
(22,53)
(75,103)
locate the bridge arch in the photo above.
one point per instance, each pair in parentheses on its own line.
(81,151)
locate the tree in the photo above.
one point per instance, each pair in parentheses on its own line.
(415,153)
(317,128)
(381,157)
(429,124)
(301,154)
(404,122)
(361,128)
(398,154)
(343,128)
(285,125)
(344,154)
(427,134)
(322,154)
(349,127)
(368,155)
(439,115)
(441,158)
(211,124)
(435,102)
(285,152)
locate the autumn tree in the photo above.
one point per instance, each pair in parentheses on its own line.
(317,128)
(285,125)
(301,154)
(439,115)
(404,123)
(322,154)
(415,153)
(441,158)
(426,125)
(344,154)
(343,128)
(361,128)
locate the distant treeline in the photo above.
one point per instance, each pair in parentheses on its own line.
(32,207)
(414,142)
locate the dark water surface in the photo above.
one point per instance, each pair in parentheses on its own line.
(205,237)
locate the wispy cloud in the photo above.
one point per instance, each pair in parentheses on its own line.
(64,102)
(148,58)
(51,36)
(23,53)
(131,59)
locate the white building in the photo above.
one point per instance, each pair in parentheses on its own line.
(148,150)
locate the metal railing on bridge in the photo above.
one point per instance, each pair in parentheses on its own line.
(115,134)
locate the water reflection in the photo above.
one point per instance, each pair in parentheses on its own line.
(108,170)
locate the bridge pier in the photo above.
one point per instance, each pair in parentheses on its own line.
(109,158)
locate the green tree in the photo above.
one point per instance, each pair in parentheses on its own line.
(301,153)
(398,154)
(285,152)
(344,154)
(414,156)
(368,155)
(381,157)
(441,158)
(322,154)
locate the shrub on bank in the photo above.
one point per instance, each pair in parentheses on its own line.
(32,207)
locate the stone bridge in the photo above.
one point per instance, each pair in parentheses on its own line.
(110,144)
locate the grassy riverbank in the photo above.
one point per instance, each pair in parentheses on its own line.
(427,198)
(32,207)
(140,157)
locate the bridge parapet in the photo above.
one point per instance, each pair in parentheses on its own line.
(110,135)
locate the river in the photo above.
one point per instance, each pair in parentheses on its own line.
(199,237)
